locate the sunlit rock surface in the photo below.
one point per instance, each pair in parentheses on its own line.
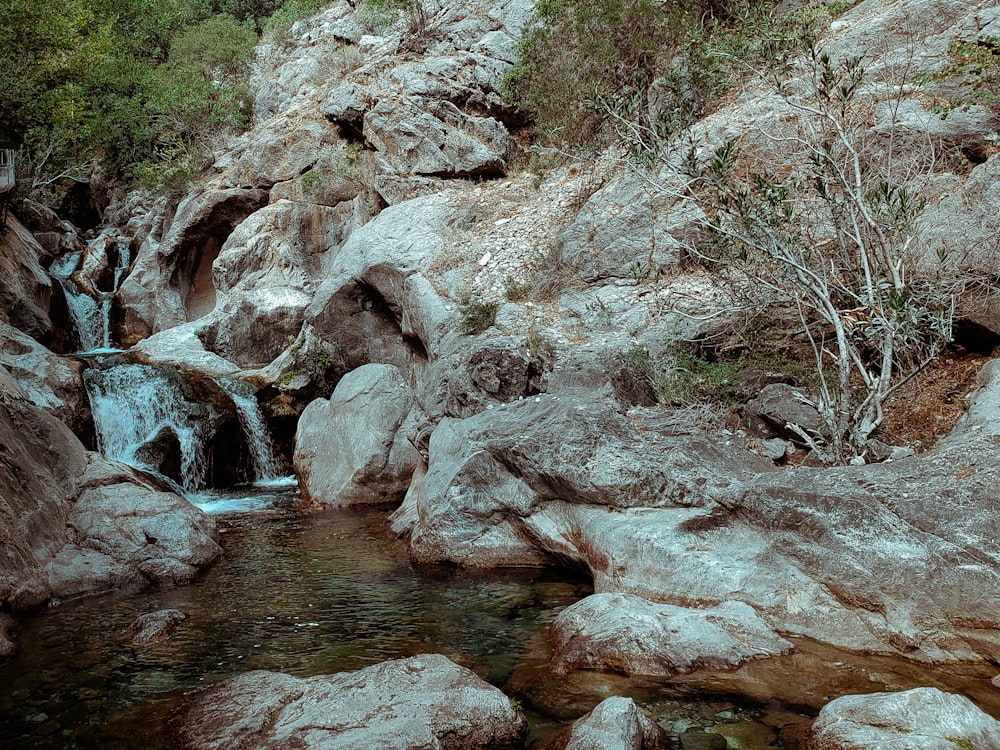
(352,449)
(421,702)
(920,719)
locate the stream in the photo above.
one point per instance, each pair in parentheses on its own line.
(299,594)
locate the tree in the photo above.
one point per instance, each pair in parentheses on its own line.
(827,228)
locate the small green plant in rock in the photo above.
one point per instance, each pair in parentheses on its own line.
(975,70)
(963,742)
(539,345)
(477,315)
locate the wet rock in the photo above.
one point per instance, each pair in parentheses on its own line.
(152,627)
(350,449)
(636,636)
(920,719)
(420,702)
(615,724)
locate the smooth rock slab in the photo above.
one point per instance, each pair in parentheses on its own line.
(921,719)
(615,724)
(425,702)
(630,634)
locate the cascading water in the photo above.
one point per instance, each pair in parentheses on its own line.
(91,317)
(137,405)
(266,465)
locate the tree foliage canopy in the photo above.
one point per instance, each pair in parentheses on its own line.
(140,87)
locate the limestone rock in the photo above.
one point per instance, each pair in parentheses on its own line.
(493,477)
(40,462)
(153,627)
(171,279)
(615,724)
(25,287)
(350,450)
(920,719)
(625,230)
(421,702)
(265,276)
(49,381)
(778,405)
(636,636)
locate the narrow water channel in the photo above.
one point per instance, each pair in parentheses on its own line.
(298,594)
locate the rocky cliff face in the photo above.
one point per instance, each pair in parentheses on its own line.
(379,198)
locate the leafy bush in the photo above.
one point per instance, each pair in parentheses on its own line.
(649,67)
(974,69)
(477,315)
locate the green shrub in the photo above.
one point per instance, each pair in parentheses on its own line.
(648,66)
(477,315)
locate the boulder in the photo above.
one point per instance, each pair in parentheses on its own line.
(920,719)
(265,277)
(350,449)
(626,230)
(630,634)
(502,486)
(48,380)
(615,724)
(421,702)
(778,405)
(376,303)
(75,523)
(153,627)
(25,286)
(437,139)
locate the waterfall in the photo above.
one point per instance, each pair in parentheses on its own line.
(90,317)
(89,320)
(266,465)
(136,407)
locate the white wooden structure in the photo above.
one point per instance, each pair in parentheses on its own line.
(6,169)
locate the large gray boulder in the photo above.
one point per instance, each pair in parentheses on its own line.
(49,381)
(505,486)
(265,277)
(630,634)
(424,702)
(615,724)
(75,523)
(376,302)
(920,719)
(171,279)
(350,449)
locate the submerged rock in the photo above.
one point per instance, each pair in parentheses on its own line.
(154,626)
(615,724)
(421,702)
(636,636)
(921,719)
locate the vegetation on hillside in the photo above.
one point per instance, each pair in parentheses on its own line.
(141,88)
(821,226)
